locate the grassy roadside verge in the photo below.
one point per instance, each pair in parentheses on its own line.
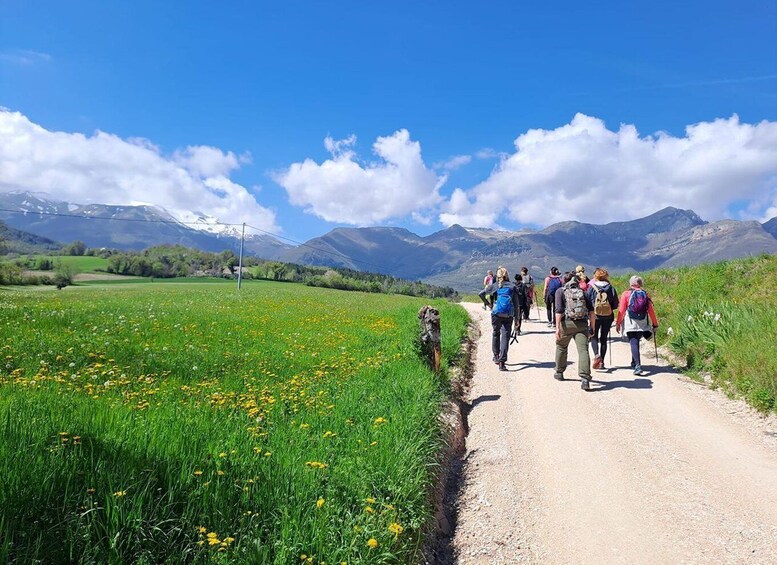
(190,424)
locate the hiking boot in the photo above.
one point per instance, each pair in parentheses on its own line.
(638,370)
(558,376)
(495,359)
(502,366)
(602,367)
(597,362)
(585,383)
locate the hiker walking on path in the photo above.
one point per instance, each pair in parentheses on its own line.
(502,314)
(552,284)
(528,282)
(522,306)
(636,318)
(604,297)
(574,320)
(487,280)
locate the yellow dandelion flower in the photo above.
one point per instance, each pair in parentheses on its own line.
(213,535)
(372,543)
(228,540)
(369,510)
(220,473)
(379,421)
(201,543)
(267,453)
(370,500)
(222,454)
(214,541)
(202,530)
(320,502)
(395,528)
(303,557)
(197,473)
(119,493)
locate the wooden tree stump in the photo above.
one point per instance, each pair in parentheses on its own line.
(430,335)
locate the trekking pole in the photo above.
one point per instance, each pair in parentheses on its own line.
(655,342)
(609,347)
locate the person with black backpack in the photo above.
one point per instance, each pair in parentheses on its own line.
(604,297)
(552,284)
(636,318)
(528,282)
(523,302)
(574,320)
(502,314)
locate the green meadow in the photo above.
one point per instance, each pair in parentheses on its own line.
(187,423)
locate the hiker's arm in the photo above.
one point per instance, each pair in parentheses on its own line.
(621,311)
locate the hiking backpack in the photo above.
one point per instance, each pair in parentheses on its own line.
(638,304)
(504,302)
(602,304)
(553,285)
(576,308)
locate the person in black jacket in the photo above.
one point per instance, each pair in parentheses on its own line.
(522,309)
(502,314)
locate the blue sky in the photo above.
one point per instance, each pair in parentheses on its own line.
(267,82)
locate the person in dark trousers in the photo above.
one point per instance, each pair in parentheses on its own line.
(523,303)
(552,283)
(502,314)
(574,320)
(637,319)
(604,297)
(528,282)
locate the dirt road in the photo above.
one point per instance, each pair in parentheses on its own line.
(651,469)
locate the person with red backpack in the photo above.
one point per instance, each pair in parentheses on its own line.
(636,318)
(552,284)
(503,313)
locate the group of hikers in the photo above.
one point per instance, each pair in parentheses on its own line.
(579,309)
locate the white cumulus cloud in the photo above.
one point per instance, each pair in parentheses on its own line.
(106,169)
(342,189)
(586,172)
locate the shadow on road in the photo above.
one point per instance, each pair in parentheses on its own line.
(531,365)
(609,385)
(485,398)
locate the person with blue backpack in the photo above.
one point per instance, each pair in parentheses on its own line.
(552,284)
(636,318)
(503,314)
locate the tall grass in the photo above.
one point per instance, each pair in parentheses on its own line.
(187,423)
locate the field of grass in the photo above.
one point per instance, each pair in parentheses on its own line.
(80,264)
(187,423)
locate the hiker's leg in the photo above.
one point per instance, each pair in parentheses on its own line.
(634,343)
(549,308)
(606,325)
(562,345)
(495,336)
(595,338)
(504,338)
(583,359)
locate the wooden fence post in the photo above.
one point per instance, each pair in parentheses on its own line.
(430,335)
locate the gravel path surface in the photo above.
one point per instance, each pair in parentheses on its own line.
(650,469)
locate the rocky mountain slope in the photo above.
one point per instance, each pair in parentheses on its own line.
(459,256)
(123,227)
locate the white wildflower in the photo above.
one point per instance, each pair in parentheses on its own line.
(717,317)
(669,331)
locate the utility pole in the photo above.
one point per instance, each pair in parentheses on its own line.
(240,263)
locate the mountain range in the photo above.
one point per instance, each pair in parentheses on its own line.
(456,256)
